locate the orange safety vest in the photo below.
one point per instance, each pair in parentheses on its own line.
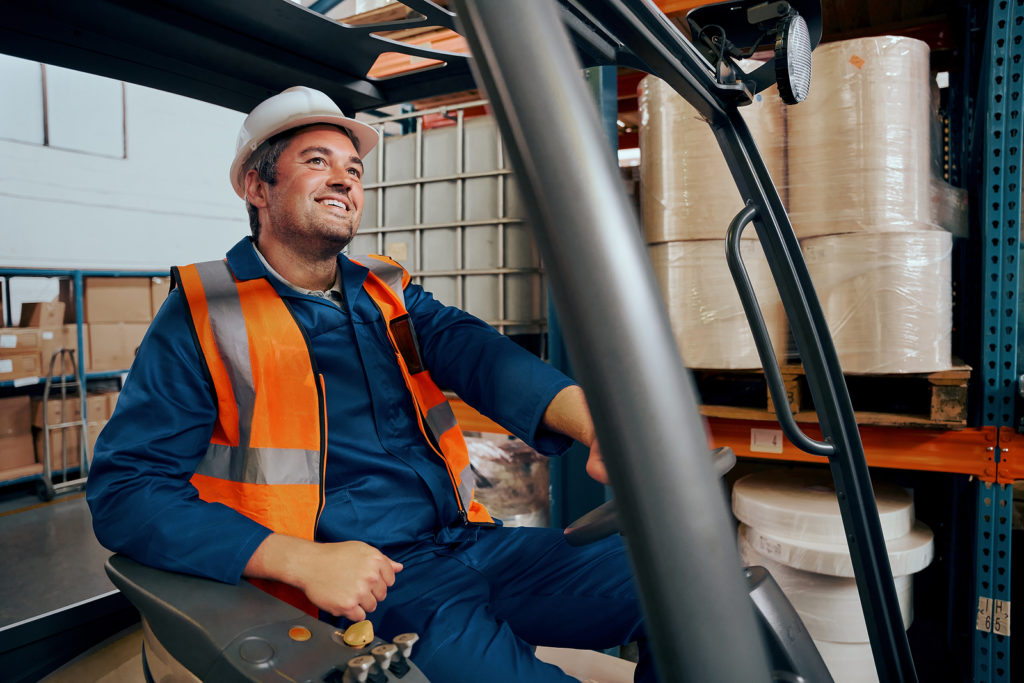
(266,456)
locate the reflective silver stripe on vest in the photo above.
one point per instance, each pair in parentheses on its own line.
(440,419)
(228,324)
(242,463)
(389,273)
(466,485)
(261,465)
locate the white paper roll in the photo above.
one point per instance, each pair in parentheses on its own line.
(887,298)
(704,309)
(907,554)
(801,504)
(829,606)
(849,662)
(686,189)
(859,154)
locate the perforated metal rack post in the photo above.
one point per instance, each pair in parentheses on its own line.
(1001,95)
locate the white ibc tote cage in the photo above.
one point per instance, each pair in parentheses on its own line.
(442,202)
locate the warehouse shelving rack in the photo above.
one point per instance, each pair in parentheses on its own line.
(81,377)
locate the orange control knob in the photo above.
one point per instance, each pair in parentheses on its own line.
(299,633)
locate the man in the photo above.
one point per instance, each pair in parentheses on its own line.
(282,422)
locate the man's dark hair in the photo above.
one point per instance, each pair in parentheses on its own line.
(265,159)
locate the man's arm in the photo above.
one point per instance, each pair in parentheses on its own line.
(346,579)
(143,504)
(568,413)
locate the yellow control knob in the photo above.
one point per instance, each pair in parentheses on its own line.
(358,634)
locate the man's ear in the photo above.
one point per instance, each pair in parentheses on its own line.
(255,189)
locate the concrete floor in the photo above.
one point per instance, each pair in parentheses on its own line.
(50,559)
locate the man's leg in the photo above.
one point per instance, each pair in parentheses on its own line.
(554,594)
(462,640)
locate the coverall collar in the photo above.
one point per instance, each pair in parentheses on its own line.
(246,265)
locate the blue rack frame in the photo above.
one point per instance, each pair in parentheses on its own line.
(1000,95)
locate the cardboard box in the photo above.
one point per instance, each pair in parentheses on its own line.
(159,288)
(94,433)
(16,451)
(117,299)
(67,337)
(112,345)
(96,407)
(111,402)
(72,410)
(15,416)
(69,438)
(18,340)
(20,366)
(44,314)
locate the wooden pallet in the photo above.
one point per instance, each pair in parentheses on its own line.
(931,399)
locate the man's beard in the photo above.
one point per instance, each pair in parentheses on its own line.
(318,238)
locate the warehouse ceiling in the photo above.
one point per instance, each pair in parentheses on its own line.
(235,54)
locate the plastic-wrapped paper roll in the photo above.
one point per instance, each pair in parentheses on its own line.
(848,662)
(829,606)
(512,480)
(859,154)
(801,504)
(686,189)
(705,311)
(887,298)
(907,554)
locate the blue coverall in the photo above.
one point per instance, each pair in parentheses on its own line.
(477,595)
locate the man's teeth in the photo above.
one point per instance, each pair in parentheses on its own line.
(335,202)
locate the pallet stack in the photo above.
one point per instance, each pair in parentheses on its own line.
(854,165)
(688,199)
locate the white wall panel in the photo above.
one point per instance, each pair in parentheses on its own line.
(168,202)
(21,100)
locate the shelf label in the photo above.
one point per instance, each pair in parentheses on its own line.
(766,440)
(8,341)
(6,365)
(984,619)
(1001,617)
(47,335)
(26,381)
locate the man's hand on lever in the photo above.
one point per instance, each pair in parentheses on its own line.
(347,579)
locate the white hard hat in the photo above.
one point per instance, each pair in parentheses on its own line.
(297,106)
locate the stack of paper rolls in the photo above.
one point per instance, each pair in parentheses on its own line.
(858,149)
(688,199)
(705,311)
(686,189)
(861,201)
(791,525)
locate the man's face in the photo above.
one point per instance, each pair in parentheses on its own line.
(317,201)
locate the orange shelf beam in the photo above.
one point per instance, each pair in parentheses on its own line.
(1011,465)
(963,451)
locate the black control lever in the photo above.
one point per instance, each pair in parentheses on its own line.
(603,520)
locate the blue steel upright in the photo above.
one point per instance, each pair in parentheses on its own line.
(1000,214)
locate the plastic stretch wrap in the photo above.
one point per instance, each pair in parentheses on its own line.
(848,662)
(512,479)
(686,189)
(829,606)
(887,298)
(704,309)
(907,554)
(859,150)
(801,504)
